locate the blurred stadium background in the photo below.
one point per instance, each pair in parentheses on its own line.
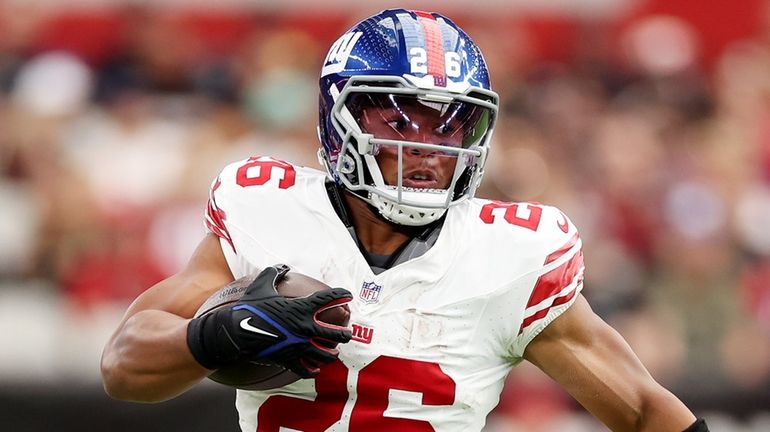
(648,121)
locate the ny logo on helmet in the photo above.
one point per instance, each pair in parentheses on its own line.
(339,53)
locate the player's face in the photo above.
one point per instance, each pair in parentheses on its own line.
(411,120)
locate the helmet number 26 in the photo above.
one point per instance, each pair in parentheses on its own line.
(418,62)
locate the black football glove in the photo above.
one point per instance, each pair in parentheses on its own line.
(264,326)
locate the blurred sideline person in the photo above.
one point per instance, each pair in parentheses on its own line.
(447,292)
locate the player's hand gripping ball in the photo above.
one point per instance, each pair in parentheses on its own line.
(269,331)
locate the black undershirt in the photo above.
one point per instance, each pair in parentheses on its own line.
(416,246)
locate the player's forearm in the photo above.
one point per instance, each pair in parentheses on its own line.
(148,360)
(662,411)
(636,404)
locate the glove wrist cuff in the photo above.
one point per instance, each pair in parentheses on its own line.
(210,343)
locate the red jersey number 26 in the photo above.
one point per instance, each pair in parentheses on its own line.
(530,218)
(259,170)
(375,381)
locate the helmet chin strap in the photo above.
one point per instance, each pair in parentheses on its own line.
(404,214)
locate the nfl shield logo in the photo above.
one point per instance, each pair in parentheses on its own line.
(370,291)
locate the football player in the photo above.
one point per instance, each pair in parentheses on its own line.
(447,291)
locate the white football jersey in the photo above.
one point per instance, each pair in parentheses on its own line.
(434,337)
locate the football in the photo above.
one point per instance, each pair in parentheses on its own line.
(249,375)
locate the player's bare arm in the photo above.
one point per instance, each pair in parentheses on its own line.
(147,358)
(160,350)
(592,362)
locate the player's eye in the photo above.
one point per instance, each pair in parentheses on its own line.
(399,125)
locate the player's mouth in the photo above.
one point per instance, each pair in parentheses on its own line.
(421,179)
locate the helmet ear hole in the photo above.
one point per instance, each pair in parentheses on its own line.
(348,165)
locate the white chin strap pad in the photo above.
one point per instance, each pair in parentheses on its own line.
(404,214)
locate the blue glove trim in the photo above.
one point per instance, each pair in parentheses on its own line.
(291,338)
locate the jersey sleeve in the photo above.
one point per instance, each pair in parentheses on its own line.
(554,285)
(251,206)
(215,216)
(238,193)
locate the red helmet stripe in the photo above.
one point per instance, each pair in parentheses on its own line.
(434,46)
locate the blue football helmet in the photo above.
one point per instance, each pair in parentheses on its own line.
(406,84)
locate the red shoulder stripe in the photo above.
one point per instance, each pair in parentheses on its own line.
(553,282)
(549,285)
(562,250)
(542,313)
(215,217)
